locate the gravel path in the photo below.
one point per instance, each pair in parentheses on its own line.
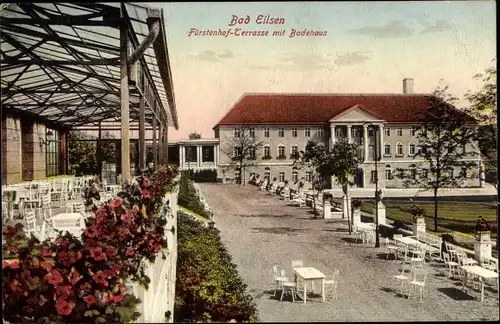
(260,230)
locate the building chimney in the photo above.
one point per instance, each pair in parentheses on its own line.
(407,85)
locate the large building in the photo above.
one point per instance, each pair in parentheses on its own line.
(286,122)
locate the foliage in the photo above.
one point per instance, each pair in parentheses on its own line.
(416,211)
(482,225)
(483,108)
(310,160)
(356,203)
(188,198)
(83,155)
(242,150)
(203,175)
(194,135)
(77,281)
(91,193)
(208,287)
(444,133)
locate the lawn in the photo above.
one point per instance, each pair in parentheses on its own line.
(460,217)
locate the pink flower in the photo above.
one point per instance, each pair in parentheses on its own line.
(97,254)
(63,307)
(146,194)
(111,252)
(46,252)
(91,231)
(90,300)
(12,265)
(123,231)
(129,252)
(100,278)
(115,203)
(54,277)
(146,183)
(127,217)
(64,291)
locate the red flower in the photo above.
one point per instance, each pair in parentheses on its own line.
(110,297)
(129,252)
(64,291)
(115,203)
(46,252)
(45,265)
(63,307)
(90,300)
(111,252)
(146,194)
(61,242)
(64,258)
(146,183)
(100,278)
(12,265)
(97,254)
(54,277)
(91,231)
(127,217)
(123,231)
(115,269)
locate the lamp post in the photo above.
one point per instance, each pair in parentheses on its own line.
(377,192)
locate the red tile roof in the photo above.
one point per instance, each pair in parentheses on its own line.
(302,109)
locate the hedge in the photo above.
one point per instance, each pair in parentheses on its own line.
(208,287)
(202,175)
(188,197)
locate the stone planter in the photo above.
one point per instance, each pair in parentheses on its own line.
(356,216)
(327,210)
(381,213)
(482,246)
(418,225)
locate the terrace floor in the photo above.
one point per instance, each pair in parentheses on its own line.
(260,231)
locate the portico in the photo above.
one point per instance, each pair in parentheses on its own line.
(198,154)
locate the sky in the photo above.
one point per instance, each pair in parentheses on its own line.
(369,47)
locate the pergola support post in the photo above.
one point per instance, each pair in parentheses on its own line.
(155,141)
(160,153)
(125,109)
(142,127)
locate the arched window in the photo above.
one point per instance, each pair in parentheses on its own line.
(281,151)
(388,172)
(387,149)
(399,149)
(267,151)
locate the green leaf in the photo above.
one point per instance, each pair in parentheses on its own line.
(101,319)
(96,312)
(88,313)
(109,310)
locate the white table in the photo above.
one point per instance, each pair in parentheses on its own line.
(481,273)
(71,222)
(310,274)
(366,228)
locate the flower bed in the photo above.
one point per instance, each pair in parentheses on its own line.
(84,280)
(208,287)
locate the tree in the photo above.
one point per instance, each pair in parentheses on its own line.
(483,108)
(194,135)
(242,149)
(311,161)
(442,138)
(342,162)
(83,153)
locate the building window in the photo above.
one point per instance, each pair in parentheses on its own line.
(281,132)
(399,131)
(338,132)
(294,132)
(281,150)
(412,131)
(355,132)
(388,173)
(308,176)
(295,176)
(411,150)
(321,132)
(373,176)
(191,154)
(281,176)
(425,173)
(387,149)
(237,132)
(307,132)
(52,152)
(266,132)
(387,131)
(236,152)
(237,175)
(208,153)
(252,132)
(267,151)
(371,131)
(251,153)
(399,149)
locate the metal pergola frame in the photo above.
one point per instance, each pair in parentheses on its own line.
(73,64)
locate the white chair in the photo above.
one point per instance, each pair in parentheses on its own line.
(358,234)
(391,249)
(288,287)
(418,282)
(402,278)
(32,227)
(331,284)
(5,213)
(278,280)
(452,265)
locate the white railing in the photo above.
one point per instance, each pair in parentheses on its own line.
(159,298)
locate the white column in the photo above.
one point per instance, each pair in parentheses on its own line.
(381,132)
(332,141)
(216,157)
(198,153)
(349,133)
(182,156)
(365,140)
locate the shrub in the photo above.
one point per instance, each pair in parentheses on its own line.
(202,175)
(188,198)
(208,287)
(482,225)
